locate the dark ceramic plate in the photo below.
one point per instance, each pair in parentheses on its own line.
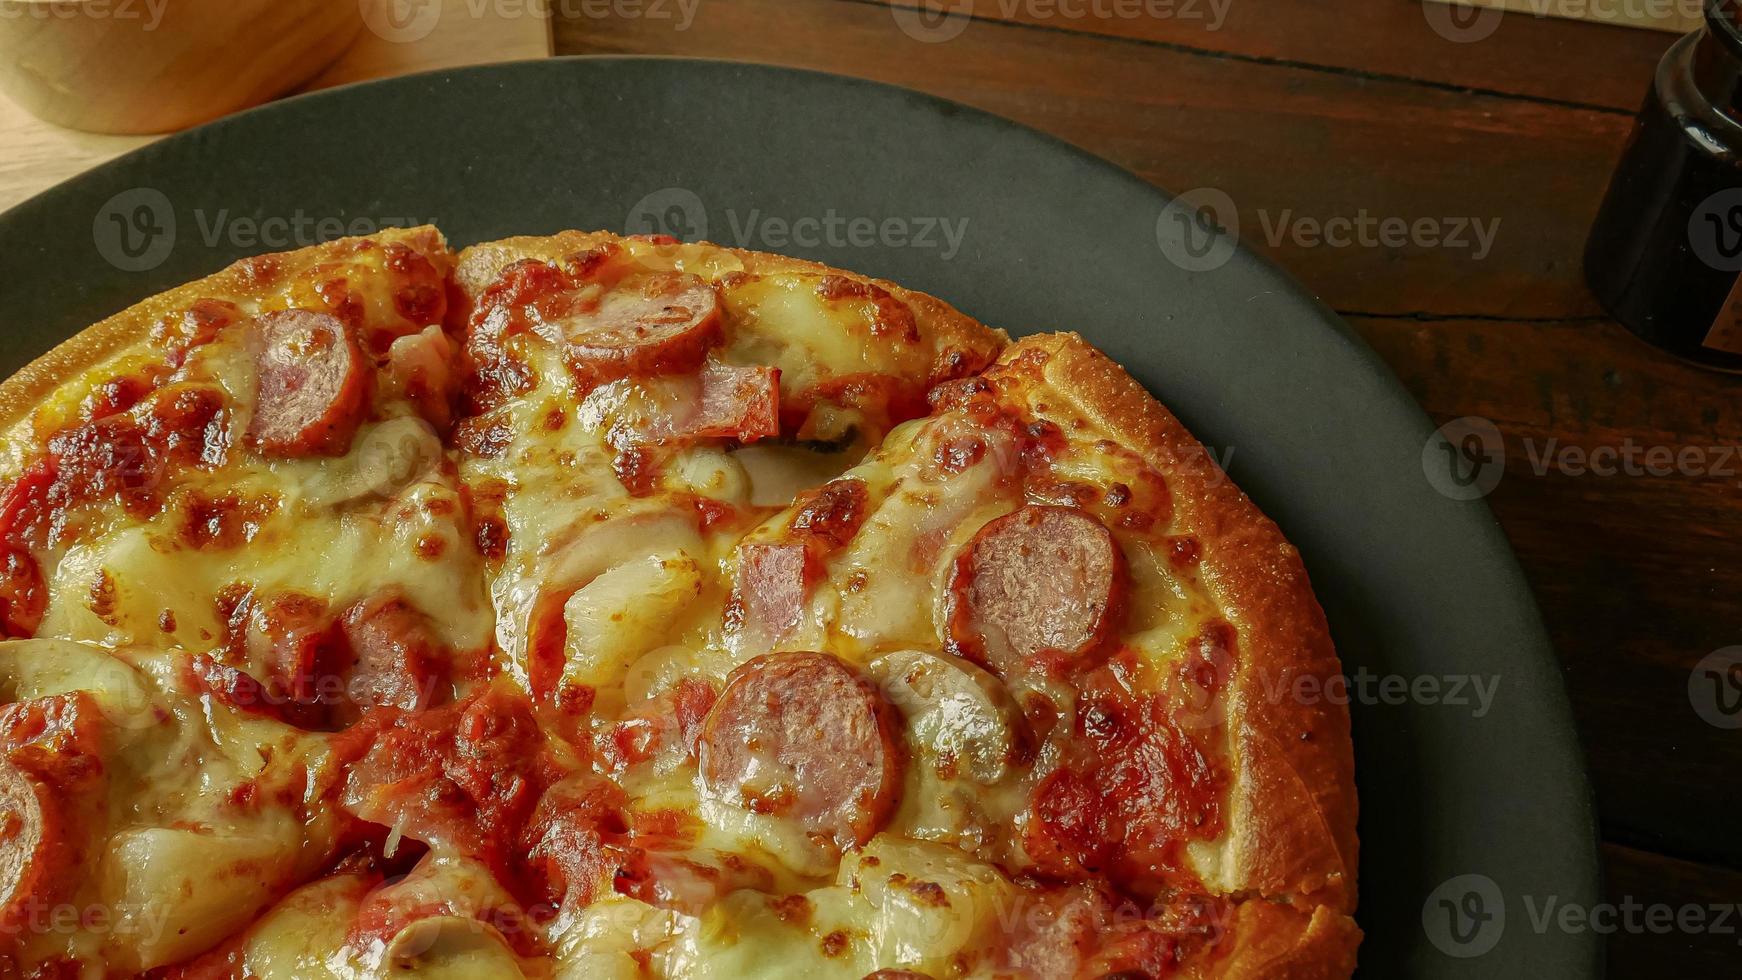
(1473,820)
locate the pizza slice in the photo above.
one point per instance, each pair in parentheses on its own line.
(145,820)
(476,823)
(631,405)
(623,421)
(253,465)
(1051,526)
(1008,698)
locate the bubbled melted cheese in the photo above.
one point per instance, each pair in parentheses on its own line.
(388,513)
(928,907)
(880,594)
(571,525)
(642,588)
(811,338)
(181,856)
(569,517)
(781,319)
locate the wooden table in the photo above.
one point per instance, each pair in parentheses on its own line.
(1329,108)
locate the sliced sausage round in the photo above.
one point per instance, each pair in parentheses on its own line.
(1039,580)
(662,324)
(804,736)
(23,595)
(30,860)
(400,661)
(312,384)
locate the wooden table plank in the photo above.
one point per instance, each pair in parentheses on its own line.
(1262,133)
(1396,38)
(1673,18)
(1632,600)
(1647,891)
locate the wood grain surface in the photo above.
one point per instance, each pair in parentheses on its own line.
(1677,18)
(1333,108)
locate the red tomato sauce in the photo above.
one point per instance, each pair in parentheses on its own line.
(1143,786)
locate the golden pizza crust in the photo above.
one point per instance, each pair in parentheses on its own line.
(1280,942)
(92,346)
(1293,807)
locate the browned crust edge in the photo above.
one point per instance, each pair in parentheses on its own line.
(1280,942)
(1291,829)
(24,391)
(480,264)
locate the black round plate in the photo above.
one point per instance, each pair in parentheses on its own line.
(1473,821)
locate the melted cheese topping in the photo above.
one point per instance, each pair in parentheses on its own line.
(388,513)
(641,589)
(179,857)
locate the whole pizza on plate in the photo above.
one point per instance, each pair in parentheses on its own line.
(601,607)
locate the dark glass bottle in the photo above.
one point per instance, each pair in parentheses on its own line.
(1665,254)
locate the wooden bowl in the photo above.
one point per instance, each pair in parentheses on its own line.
(152,66)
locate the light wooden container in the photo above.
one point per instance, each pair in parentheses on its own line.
(154,66)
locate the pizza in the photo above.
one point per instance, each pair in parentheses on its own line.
(591,606)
